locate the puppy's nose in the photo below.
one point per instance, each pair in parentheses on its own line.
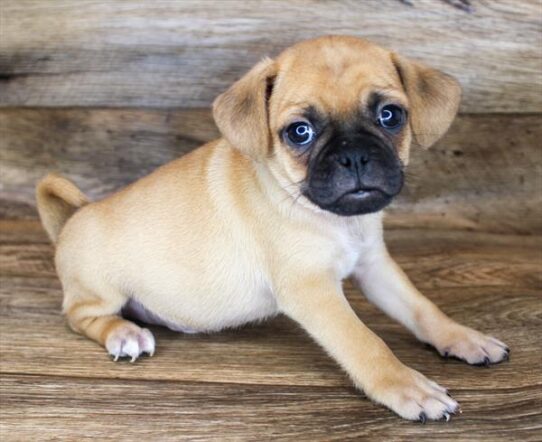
(353,159)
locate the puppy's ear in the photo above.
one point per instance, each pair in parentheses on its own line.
(434,99)
(241,112)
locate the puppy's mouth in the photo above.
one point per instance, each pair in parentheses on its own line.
(364,192)
(358,201)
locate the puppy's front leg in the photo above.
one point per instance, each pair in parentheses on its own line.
(320,307)
(387,286)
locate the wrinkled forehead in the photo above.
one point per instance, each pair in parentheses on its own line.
(336,77)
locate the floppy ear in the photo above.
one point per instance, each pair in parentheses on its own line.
(434,99)
(241,112)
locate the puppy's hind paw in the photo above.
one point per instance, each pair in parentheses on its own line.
(129,340)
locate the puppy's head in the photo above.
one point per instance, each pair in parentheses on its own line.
(334,118)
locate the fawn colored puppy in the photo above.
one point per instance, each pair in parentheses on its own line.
(271,218)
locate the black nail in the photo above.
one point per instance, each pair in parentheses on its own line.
(423,417)
(445,355)
(486,361)
(506,357)
(448,393)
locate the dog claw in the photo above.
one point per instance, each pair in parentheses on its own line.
(447,417)
(423,417)
(486,362)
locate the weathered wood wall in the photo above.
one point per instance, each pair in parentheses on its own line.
(183,53)
(105,91)
(480,176)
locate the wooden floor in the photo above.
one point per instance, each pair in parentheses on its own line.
(269,381)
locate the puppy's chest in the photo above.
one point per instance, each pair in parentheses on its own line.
(347,253)
(352,241)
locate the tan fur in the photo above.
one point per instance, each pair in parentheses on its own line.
(222,236)
(241,112)
(57,200)
(434,98)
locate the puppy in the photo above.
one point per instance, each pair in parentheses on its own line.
(271,218)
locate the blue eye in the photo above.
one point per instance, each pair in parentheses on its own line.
(300,133)
(391,117)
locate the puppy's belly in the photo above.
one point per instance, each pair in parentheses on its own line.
(135,310)
(202,312)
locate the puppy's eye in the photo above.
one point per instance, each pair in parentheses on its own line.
(391,117)
(300,133)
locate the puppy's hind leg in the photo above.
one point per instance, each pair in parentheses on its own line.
(98,318)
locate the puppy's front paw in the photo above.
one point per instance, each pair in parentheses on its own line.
(414,397)
(129,340)
(472,346)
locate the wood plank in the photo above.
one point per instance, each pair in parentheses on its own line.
(90,409)
(182,54)
(125,144)
(278,352)
(486,174)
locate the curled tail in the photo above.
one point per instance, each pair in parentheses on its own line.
(57,200)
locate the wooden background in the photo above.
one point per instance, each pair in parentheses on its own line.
(105,91)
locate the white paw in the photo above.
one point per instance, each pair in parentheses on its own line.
(414,397)
(129,340)
(473,347)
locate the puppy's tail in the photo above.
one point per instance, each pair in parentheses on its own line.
(57,200)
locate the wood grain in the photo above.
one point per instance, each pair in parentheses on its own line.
(270,379)
(486,174)
(84,409)
(182,54)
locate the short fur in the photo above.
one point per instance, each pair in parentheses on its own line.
(225,235)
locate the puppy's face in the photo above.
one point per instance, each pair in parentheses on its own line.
(335,117)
